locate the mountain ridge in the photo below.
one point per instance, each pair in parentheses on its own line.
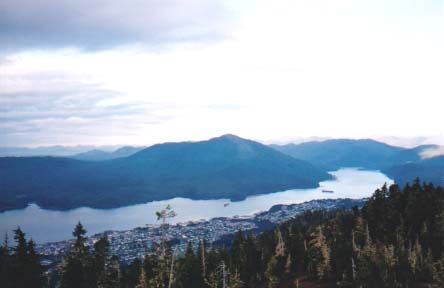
(222,167)
(100,155)
(402,164)
(335,153)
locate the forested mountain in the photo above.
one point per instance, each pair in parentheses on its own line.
(408,155)
(430,170)
(395,240)
(337,153)
(100,155)
(401,164)
(223,167)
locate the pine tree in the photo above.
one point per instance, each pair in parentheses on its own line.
(438,273)
(26,268)
(277,264)
(20,258)
(237,253)
(235,280)
(271,274)
(319,254)
(101,250)
(288,265)
(201,250)
(114,273)
(131,274)
(191,275)
(34,269)
(77,267)
(142,279)
(6,264)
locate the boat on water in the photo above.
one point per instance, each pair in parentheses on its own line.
(226,204)
(327,191)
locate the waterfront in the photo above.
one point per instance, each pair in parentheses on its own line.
(47,225)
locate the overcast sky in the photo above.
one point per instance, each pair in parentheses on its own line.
(98,72)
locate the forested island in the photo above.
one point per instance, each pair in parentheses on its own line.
(395,240)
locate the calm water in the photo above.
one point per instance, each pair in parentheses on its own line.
(48,225)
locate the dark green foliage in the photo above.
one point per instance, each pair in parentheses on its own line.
(83,268)
(6,264)
(20,266)
(395,240)
(78,266)
(131,274)
(190,274)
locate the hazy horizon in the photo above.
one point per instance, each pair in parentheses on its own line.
(405,142)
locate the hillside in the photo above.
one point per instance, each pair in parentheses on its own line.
(100,155)
(428,170)
(409,155)
(337,153)
(223,167)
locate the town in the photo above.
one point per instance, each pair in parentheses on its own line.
(131,244)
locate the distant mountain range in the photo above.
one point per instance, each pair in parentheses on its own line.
(81,152)
(222,167)
(61,151)
(100,155)
(333,154)
(402,164)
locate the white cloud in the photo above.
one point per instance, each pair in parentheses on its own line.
(291,69)
(433,152)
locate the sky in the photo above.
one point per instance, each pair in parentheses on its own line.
(101,72)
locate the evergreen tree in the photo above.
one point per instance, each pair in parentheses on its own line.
(101,250)
(114,273)
(438,273)
(142,279)
(77,270)
(20,258)
(319,254)
(395,240)
(131,274)
(34,269)
(277,264)
(202,258)
(20,266)
(191,275)
(6,264)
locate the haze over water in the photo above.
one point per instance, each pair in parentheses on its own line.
(49,225)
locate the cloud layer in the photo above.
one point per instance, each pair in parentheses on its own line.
(98,24)
(433,152)
(79,72)
(44,107)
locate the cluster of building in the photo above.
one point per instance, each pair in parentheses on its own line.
(130,244)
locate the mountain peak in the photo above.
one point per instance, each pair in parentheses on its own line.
(229,137)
